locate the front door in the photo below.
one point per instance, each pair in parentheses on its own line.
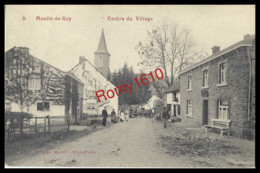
(169,109)
(205,112)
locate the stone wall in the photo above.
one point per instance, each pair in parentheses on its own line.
(235,92)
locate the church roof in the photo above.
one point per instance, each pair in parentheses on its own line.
(102,46)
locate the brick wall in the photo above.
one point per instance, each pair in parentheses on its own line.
(235,92)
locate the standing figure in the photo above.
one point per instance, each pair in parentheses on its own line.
(165,116)
(113,114)
(126,116)
(122,116)
(104,116)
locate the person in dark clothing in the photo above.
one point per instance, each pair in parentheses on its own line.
(113,114)
(104,116)
(165,116)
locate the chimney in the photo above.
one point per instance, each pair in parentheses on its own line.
(81,59)
(248,37)
(215,49)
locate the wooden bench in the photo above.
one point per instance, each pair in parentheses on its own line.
(222,125)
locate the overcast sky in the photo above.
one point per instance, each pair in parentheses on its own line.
(60,43)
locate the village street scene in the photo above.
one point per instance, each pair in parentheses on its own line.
(120,86)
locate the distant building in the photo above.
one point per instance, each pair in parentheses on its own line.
(173,99)
(41,87)
(152,102)
(94,78)
(222,86)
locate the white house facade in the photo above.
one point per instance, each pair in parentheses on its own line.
(152,102)
(94,78)
(173,99)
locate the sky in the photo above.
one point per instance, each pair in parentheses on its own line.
(61,42)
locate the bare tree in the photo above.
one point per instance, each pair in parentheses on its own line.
(169,47)
(18,71)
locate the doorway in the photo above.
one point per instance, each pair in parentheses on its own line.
(205,113)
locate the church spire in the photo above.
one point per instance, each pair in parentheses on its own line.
(102,46)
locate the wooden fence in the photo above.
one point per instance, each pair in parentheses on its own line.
(35,125)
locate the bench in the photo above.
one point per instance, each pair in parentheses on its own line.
(222,125)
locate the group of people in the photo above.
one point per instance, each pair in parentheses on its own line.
(123,115)
(104,115)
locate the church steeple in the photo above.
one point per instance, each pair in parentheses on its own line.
(102,46)
(102,56)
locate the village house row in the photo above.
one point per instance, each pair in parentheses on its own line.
(39,88)
(221,86)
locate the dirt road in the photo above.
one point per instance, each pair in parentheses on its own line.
(126,144)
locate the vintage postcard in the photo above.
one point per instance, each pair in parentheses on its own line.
(129,86)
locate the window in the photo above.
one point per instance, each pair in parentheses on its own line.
(91,94)
(189,108)
(205,78)
(93,106)
(37,68)
(43,106)
(174,97)
(35,83)
(7,107)
(14,61)
(222,73)
(189,82)
(223,110)
(90,105)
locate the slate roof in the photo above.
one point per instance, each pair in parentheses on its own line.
(219,53)
(175,87)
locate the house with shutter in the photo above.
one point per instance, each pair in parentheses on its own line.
(36,87)
(173,99)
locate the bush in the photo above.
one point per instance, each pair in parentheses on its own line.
(17,115)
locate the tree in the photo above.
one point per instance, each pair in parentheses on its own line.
(74,99)
(125,75)
(169,47)
(67,95)
(109,76)
(52,84)
(18,70)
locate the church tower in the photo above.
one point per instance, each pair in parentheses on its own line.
(102,56)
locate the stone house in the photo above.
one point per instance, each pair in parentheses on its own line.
(222,86)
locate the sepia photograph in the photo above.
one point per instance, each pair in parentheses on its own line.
(129,86)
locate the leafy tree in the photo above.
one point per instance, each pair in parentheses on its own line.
(126,75)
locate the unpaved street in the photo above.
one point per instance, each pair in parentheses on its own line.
(126,144)
(141,142)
